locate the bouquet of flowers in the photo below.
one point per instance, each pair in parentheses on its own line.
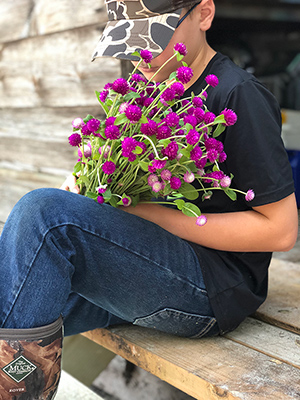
(152,143)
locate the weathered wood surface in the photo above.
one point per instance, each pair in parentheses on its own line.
(282,307)
(54,70)
(22,18)
(205,369)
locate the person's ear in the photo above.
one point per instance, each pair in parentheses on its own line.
(207,10)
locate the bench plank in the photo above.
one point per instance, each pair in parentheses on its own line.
(282,305)
(278,343)
(206,369)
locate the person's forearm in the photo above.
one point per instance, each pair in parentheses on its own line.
(239,231)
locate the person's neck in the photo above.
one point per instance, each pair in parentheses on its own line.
(200,63)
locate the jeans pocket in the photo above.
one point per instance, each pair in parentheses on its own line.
(180,323)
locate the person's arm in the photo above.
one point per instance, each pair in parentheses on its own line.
(272,227)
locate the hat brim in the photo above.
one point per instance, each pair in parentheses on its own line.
(122,38)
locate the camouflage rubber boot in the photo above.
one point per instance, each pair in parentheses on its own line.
(30,362)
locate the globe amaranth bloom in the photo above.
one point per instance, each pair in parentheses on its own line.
(196,153)
(126,201)
(212,80)
(201,220)
(87,150)
(192,137)
(77,123)
(112,132)
(128,146)
(133,113)
(189,177)
(184,74)
(201,163)
(93,124)
(85,130)
(190,119)
(172,120)
(109,167)
(152,178)
(178,89)
(171,150)
(225,182)
(100,199)
(157,186)
(103,95)
(158,164)
(230,117)
(209,117)
(250,195)
(163,132)
(121,86)
(181,48)
(165,175)
(75,139)
(199,114)
(110,121)
(138,78)
(150,128)
(146,56)
(105,150)
(197,102)
(175,183)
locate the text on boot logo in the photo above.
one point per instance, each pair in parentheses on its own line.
(19,369)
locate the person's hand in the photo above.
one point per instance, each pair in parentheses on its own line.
(70,185)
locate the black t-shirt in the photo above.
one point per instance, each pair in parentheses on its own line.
(237,282)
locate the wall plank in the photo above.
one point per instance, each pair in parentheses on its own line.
(54,70)
(23,18)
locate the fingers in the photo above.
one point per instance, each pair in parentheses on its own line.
(70,185)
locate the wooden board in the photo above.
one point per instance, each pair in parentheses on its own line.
(54,70)
(22,18)
(211,368)
(282,307)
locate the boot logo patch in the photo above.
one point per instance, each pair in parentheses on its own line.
(19,369)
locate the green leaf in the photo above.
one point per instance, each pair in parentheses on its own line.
(137,54)
(138,150)
(172,76)
(219,129)
(184,64)
(164,142)
(231,194)
(77,167)
(191,210)
(83,179)
(179,203)
(91,195)
(179,57)
(131,95)
(143,165)
(186,153)
(188,191)
(87,118)
(167,189)
(107,195)
(220,119)
(113,201)
(143,120)
(121,118)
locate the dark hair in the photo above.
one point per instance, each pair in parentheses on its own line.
(183,3)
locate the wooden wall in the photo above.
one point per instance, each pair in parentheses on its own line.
(47,79)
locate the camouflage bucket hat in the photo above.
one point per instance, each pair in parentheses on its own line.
(135,25)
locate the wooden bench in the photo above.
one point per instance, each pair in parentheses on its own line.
(259,360)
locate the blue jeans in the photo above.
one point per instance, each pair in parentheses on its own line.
(62,253)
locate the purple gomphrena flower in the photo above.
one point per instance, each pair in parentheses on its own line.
(103,95)
(110,121)
(225,182)
(184,74)
(201,163)
(143,146)
(75,139)
(168,95)
(126,201)
(87,150)
(212,155)
(171,150)
(146,56)
(190,119)
(203,95)
(138,78)
(180,47)
(199,114)
(192,137)
(172,120)
(150,128)
(93,124)
(148,101)
(132,157)
(128,146)
(106,150)
(250,195)
(85,131)
(77,123)
(121,86)
(159,164)
(209,117)
(189,177)
(230,117)
(163,132)
(201,220)
(212,80)
(108,86)
(175,183)
(222,157)
(196,153)
(109,167)
(112,132)
(165,174)
(100,199)
(133,113)
(152,178)
(178,89)
(197,102)
(123,108)
(157,186)
(151,168)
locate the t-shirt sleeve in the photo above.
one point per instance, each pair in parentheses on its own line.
(255,152)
